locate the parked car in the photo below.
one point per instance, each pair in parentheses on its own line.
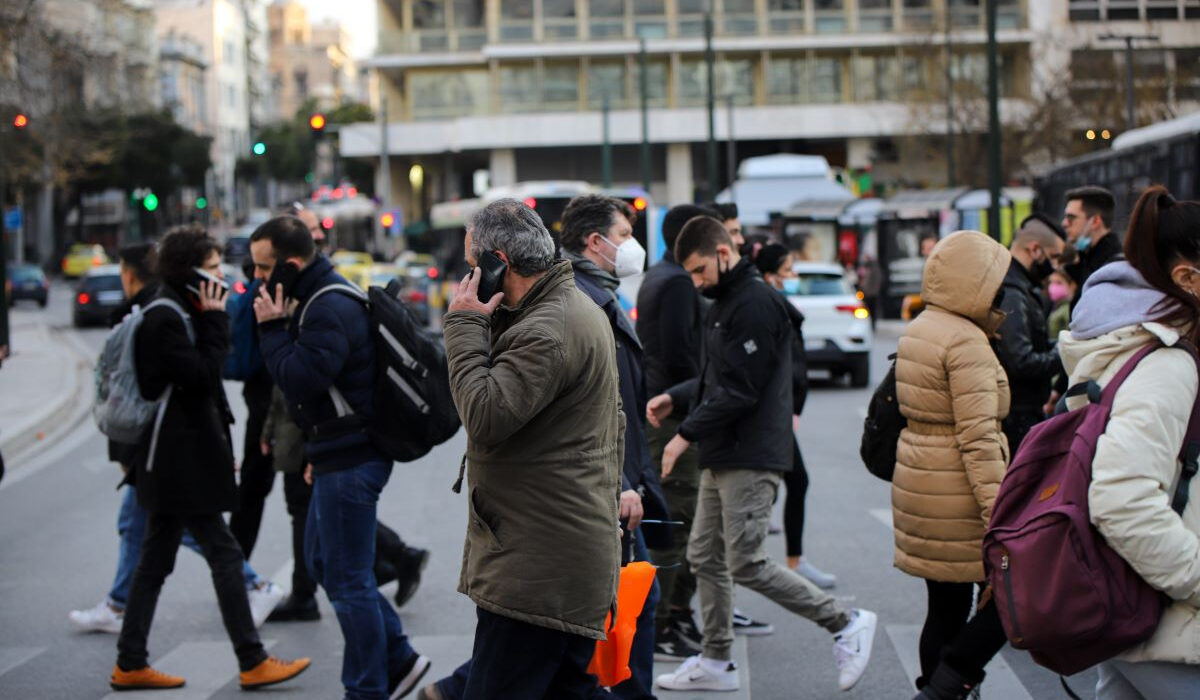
(27,282)
(82,257)
(237,249)
(99,294)
(837,325)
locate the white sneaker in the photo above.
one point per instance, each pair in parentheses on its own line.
(101,618)
(263,599)
(852,647)
(819,578)
(697,674)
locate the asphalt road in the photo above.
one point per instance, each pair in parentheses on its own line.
(58,549)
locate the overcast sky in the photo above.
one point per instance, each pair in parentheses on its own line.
(357,16)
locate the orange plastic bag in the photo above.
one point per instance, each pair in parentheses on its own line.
(610,664)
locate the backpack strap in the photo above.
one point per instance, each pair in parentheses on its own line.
(1189,456)
(1110,390)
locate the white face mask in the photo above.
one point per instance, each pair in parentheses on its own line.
(631,257)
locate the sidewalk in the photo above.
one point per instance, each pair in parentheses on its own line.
(45,386)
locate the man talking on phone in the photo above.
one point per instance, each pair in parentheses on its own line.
(534,376)
(321,365)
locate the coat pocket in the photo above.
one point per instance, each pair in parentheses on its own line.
(480,529)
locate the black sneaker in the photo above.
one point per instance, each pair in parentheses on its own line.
(685,623)
(744,624)
(295,609)
(409,567)
(671,645)
(407,679)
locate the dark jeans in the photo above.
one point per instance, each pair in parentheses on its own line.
(966,646)
(257,474)
(515,660)
(681,488)
(298,495)
(793,504)
(340,550)
(640,685)
(220,549)
(1018,424)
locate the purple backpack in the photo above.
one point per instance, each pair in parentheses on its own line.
(1062,593)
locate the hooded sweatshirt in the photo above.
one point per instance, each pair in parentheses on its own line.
(1136,467)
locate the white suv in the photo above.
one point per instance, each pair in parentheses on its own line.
(837,325)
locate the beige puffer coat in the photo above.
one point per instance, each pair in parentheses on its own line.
(954,393)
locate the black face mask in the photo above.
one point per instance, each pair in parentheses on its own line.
(714,291)
(1040,270)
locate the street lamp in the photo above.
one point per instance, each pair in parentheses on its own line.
(1130,115)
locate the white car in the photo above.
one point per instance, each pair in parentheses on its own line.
(837,325)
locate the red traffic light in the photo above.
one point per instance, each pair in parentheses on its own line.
(317,122)
(20,121)
(387,220)
(327,223)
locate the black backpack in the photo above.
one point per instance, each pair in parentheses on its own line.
(881,429)
(413,409)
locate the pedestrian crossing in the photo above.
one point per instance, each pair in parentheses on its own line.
(12,657)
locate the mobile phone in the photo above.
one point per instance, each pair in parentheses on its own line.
(200,276)
(491,275)
(285,273)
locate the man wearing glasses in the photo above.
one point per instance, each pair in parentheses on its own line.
(1088,222)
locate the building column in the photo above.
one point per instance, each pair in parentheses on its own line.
(503,167)
(679,174)
(859,152)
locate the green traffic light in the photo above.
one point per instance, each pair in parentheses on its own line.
(260,148)
(201,202)
(150,202)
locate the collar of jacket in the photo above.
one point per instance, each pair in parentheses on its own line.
(559,273)
(600,276)
(311,278)
(742,273)
(1103,251)
(177,295)
(1018,276)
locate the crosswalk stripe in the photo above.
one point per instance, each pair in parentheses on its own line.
(1001,681)
(11,657)
(883,515)
(207,666)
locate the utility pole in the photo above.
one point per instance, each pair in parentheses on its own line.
(730,148)
(385,175)
(994,135)
(606,151)
(711,160)
(1130,109)
(644,93)
(950,168)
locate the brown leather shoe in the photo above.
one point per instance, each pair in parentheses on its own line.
(272,671)
(143,679)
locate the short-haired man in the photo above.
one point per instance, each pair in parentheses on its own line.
(535,381)
(597,237)
(670,314)
(1024,345)
(1088,222)
(322,366)
(742,416)
(727,214)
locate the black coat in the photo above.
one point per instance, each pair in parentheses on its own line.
(741,406)
(669,324)
(192,469)
(638,472)
(1024,347)
(799,359)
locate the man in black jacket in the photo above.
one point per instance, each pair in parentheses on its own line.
(322,358)
(1024,345)
(669,326)
(742,417)
(1088,221)
(597,237)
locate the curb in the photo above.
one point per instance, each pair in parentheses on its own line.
(60,414)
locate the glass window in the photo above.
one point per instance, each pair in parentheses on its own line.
(739,18)
(649,7)
(876,78)
(785,17)
(826,80)
(518,89)
(516,20)
(787,79)
(692,82)
(429,14)
(742,7)
(1008,14)
(830,16)
(1084,10)
(558,19)
(606,8)
(690,19)
(442,93)
(560,86)
(606,78)
(468,13)
(516,9)
(607,19)
(875,15)
(735,76)
(656,84)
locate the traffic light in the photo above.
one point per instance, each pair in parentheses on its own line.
(150,202)
(317,122)
(387,220)
(201,202)
(20,121)
(260,148)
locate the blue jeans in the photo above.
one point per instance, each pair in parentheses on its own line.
(131,526)
(339,546)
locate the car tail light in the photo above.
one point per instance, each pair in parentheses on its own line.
(858,310)
(432,272)
(416,296)
(97,262)
(633,313)
(84,299)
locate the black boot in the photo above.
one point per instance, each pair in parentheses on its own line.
(947,684)
(409,566)
(295,609)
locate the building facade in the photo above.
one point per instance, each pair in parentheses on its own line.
(308,61)
(182,71)
(517,87)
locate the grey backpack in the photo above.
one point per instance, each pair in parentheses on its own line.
(119,409)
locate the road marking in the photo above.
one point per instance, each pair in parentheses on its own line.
(51,456)
(1001,681)
(11,657)
(207,666)
(883,515)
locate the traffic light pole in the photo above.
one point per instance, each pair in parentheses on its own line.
(644,92)
(606,164)
(711,160)
(994,135)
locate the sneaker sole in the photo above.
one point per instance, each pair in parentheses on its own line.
(412,680)
(264,684)
(123,688)
(698,686)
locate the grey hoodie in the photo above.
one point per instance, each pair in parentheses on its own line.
(1116,296)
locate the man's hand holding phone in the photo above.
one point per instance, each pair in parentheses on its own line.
(467,297)
(267,308)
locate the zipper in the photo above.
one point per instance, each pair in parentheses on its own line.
(1012,606)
